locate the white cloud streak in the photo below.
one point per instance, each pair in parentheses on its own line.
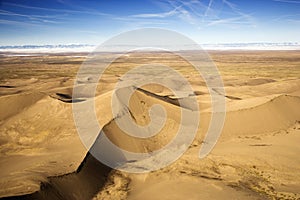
(197,13)
(17,23)
(157,15)
(287,1)
(33,18)
(194,12)
(89,12)
(208,7)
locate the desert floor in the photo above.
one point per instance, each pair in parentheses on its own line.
(256,157)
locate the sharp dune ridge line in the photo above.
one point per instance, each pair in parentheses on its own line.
(55,185)
(256,156)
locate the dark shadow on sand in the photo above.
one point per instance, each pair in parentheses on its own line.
(83,184)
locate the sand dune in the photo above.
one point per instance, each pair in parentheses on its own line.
(273,115)
(17,103)
(256,157)
(276,114)
(89,178)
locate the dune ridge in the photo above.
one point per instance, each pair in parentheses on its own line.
(256,157)
(278,113)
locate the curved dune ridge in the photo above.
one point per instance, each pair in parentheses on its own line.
(49,124)
(17,103)
(42,156)
(88,179)
(276,114)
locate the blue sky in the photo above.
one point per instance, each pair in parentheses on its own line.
(92,22)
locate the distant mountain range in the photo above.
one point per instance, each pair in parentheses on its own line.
(48,48)
(89,48)
(254,46)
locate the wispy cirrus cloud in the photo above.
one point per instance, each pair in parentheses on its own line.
(199,13)
(133,22)
(17,23)
(287,1)
(208,9)
(52,16)
(234,20)
(241,17)
(156,15)
(46,16)
(89,12)
(194,12)
(32,18)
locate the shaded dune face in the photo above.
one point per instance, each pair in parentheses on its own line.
(83,184)
(276,114)
(14,104)
(260,117)
(137,112)
(92,175)
(139,106)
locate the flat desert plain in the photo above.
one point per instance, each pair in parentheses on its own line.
(256,156)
